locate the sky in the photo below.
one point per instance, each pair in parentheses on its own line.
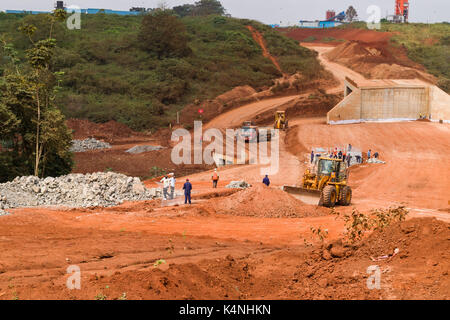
(285,12)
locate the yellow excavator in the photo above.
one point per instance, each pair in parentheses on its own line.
(328,184)
(280,120)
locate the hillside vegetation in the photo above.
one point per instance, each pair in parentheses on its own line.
(109,74)
(427,44)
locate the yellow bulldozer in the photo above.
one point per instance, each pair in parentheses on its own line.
(328,184)
(280,120)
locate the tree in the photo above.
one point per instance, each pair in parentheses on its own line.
(351,13)
(200,8)
(164,34)
(184,10)
(208,7)
(35,133)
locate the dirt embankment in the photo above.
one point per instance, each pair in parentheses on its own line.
(378,60)
(333,35)
(420,270)
(110,131)
(264,202)
(316,104)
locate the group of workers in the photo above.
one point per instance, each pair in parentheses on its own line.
(168,181)
(369,154)
(345,155)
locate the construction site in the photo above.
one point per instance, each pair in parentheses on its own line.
(362,179)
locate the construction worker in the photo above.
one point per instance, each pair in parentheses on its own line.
(369,154)
(172,185)
(166,184)
(215,178)
(266,180)
(187,191)
(312,156)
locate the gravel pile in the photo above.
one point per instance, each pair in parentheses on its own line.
(88,144)
(74,190)
(375,160)
(238,185)
(142,149)
(3,213)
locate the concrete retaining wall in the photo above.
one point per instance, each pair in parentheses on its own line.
(394,100)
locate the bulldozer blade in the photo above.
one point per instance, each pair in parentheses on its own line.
(307,196)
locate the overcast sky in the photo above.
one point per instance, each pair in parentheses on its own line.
(267,11)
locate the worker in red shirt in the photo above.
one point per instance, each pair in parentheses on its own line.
(215,178)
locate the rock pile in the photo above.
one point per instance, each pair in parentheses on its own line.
(88,144)
(142,149)
(238,185)
(375,160)
(74,190)
(3,213)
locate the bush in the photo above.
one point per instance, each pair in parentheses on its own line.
(164,35)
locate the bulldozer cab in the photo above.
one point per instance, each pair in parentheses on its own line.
(280,120)
(332,167)
(280,115)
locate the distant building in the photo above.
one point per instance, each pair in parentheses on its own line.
(332,21)
(330,14)
(138,9)
(319,24)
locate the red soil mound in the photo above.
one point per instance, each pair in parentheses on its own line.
(378,60)
(418,271)
(421,240)
(259,200)
(317,35)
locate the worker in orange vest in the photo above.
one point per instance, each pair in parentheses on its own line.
(215,178)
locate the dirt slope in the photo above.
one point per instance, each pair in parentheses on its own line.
(258,37)
(318,35)
(339,71)
(378,60)
(267,202)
